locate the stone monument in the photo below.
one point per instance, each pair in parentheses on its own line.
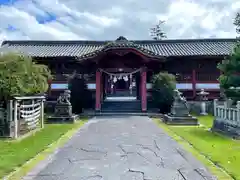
(63,109)
(179,114)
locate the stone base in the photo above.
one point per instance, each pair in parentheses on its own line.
(186,120)
(62,119)
(226,129)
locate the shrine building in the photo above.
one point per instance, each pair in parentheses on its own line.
(123,68)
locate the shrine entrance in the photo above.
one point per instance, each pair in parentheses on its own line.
(122,71)
(121,85)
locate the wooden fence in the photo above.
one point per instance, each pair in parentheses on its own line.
(23,114)
(227,117)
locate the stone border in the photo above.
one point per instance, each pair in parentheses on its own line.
(226,129)
(20,172)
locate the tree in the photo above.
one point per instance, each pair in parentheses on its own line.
(230,67)
(163,91)
(157,32)
(20,76)
(237,23)
(80,95)
(230,78)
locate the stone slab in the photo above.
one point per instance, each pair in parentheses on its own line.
(120,148)
(187,120)
(62,119)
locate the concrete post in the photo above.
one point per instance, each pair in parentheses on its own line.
(225,110)
(238,112)
(215,107)
(42,113)
(15,119)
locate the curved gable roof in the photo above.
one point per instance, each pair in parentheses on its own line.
(162,48)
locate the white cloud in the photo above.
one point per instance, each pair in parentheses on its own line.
(28,25)
(107,19)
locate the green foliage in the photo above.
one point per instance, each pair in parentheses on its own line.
(80,96)
(20,76)
(163,90)
(230,78)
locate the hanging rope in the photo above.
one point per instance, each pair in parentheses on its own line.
(120,74)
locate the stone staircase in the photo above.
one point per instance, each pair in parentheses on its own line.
(133,106)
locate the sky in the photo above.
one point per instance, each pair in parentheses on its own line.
(109,19)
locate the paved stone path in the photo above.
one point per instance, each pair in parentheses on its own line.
(120,148)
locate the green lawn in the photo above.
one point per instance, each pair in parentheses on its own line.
(13,154)
(221,150)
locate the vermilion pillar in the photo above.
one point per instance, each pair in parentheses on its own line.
(144,89)
(98,91)
(194,83)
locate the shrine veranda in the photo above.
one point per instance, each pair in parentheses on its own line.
(122,69)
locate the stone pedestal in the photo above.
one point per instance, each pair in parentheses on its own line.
(177,120)
(63,110)
(179,112)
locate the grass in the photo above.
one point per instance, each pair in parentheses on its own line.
(14,154)
(223,151)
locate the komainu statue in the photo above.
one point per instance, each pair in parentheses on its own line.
(64,98)
(179,106)
(63,106)
(179,114)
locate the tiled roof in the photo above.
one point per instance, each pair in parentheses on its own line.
(162,48)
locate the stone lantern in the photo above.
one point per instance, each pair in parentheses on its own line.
(203,98)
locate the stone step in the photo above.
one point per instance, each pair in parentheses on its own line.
(150,114)
(128,106)
(121,110)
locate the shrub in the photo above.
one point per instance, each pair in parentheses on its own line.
(20,76)
(80,95)
(163,91)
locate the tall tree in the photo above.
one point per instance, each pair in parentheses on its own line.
(230,67)
(237,22)
(230,78)
(156,32)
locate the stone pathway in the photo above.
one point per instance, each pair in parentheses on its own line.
(120,148)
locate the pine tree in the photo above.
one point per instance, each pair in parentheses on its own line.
(156,32)
(230,68)
(230,78)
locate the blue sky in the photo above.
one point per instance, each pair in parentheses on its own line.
(108,19)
